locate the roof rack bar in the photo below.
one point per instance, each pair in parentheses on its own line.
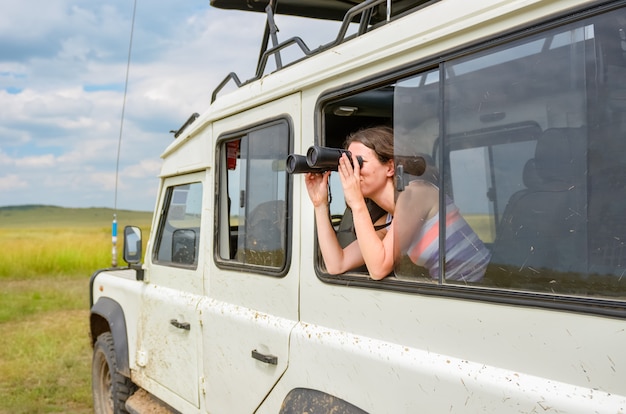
(189,121)
(271,24)
(276,51)
(351,14)
(231,76)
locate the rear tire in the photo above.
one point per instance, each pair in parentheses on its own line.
(110,389)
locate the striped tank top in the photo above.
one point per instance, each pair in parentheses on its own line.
(466,257)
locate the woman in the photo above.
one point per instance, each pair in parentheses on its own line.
(377,247)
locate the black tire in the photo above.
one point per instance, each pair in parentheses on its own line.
(110,389)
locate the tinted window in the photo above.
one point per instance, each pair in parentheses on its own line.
(531,147)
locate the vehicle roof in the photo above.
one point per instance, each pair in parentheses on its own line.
(319,9)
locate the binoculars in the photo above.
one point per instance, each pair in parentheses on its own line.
(318,159)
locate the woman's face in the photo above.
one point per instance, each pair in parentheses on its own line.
(374,174)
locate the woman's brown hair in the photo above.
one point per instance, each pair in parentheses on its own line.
(379,139)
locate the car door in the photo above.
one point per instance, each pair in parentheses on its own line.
(169,329)
(252,303)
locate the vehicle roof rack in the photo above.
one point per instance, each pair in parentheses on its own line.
(369,13)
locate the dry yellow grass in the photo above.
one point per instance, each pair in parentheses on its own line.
(482,225)
(28,253)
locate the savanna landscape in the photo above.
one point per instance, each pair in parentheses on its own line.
(47,255)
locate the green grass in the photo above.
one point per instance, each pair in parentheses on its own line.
(51,216)
(45,353)
(47,255)
(46,241)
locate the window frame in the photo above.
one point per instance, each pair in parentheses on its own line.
(163,219)
(231,264)
(591,305)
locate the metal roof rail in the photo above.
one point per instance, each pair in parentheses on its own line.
(224,82)
(365,9)
(189,121)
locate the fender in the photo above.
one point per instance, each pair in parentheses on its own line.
(108,315)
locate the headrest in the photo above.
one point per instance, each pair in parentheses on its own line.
(560,155)
(530,177)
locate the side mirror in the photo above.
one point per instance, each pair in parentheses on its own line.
(132,245)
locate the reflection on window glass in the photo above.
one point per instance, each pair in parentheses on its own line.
(497,58)
(253,199)
(425,201)
(416,133)
(470,171)
(529,137)
(179,231)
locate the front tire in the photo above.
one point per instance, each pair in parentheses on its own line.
(110,389)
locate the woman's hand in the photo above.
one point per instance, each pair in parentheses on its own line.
(350,175)
(317,186)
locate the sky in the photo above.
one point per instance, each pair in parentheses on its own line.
(63,68)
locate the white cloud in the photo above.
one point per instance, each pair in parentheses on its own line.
(62,74)
(11,182)
(37,161)
(102,180)
(144,169)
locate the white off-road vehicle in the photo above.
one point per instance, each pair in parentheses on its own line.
(520,105)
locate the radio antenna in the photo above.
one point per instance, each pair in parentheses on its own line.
(119,142)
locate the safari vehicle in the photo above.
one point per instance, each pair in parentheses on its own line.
(520,105)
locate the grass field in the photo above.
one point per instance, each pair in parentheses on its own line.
(47,255)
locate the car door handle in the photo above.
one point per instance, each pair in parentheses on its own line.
(267,358)
(180,325)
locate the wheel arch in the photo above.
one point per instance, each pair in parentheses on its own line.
(108,316)
(300,400)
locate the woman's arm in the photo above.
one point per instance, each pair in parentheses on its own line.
(415,205)
(377,252)
(336,259)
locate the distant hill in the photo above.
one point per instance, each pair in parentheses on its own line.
(27,216)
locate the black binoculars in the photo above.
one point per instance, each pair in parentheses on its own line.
(318,159)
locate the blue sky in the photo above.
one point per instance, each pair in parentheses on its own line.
(62,76)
